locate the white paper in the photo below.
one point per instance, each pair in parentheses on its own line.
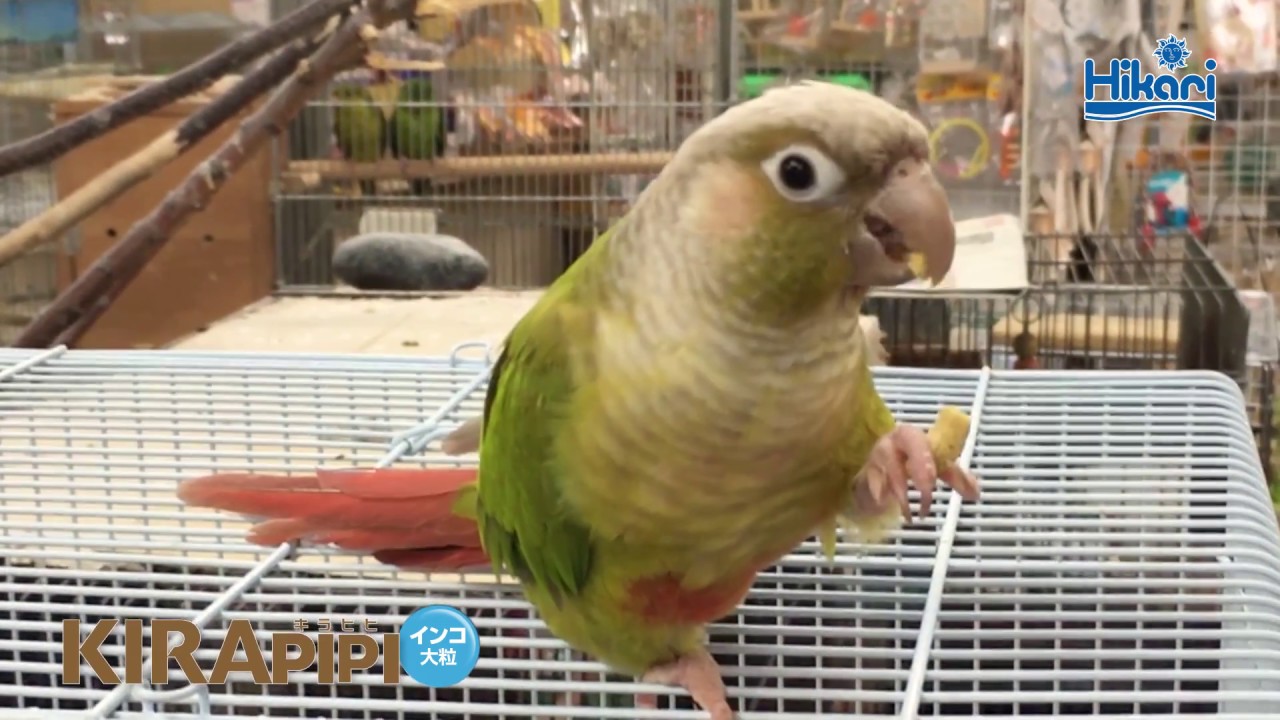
(1264,346)
(991,256)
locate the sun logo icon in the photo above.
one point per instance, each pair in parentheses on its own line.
(1172,53)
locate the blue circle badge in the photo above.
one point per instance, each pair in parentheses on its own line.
(439,646)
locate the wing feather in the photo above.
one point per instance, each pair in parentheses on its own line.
(526,528)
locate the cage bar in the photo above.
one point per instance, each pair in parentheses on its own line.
(1124,560)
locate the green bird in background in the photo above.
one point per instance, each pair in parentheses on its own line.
(416,131)
(360,127)
(684,405)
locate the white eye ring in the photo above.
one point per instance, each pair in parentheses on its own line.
(802,173)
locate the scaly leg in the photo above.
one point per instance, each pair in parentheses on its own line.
(699,674)
(900,459)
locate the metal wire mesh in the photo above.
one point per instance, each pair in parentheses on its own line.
(1237,171)
(1231,161)
(51,49)
(536,148)
(1124,560)
(1096,302)
(33,59)
(539,146)
(158,37)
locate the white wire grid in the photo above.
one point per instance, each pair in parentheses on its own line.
(1124,559)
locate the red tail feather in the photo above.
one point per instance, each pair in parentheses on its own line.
(403,517)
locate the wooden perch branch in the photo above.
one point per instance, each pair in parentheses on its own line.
(75,310)
(61,139)
(58,219)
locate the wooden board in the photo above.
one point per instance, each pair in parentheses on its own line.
(1093,334)
(348,322)
(219,261)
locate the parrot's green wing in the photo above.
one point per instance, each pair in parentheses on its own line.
(526,528)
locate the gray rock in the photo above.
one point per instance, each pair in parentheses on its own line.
(409,261)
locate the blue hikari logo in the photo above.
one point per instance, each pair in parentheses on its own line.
(1135,93)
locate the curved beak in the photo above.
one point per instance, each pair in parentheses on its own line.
(911,219)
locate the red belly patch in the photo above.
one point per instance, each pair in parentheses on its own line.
(661,599)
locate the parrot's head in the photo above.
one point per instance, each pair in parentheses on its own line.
(346,92)
(815,188)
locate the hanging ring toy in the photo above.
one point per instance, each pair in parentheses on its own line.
(981,154)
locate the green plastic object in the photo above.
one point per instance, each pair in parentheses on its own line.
(754,84)
(853,80)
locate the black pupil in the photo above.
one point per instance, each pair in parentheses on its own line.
(796,172)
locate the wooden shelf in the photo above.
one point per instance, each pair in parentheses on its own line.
(1093,334)
(311,172)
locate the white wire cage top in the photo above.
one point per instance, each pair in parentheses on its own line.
(1123,561)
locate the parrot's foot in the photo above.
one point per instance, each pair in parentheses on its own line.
(901,458)
(699,674)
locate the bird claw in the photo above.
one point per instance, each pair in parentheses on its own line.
(699,674)
(903,458)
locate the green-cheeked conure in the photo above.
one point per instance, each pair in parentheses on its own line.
(417,127)
(360,127)
(685,404)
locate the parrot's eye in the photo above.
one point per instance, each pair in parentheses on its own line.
(801,173)
(796,173)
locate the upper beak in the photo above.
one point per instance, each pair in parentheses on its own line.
(913,217)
